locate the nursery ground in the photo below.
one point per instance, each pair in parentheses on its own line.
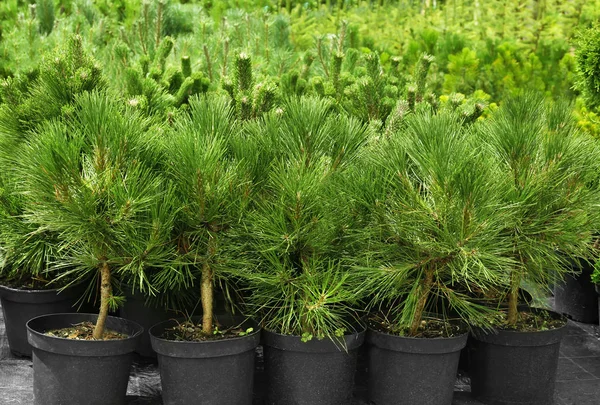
(578,381)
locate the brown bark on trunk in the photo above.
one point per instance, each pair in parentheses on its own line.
(424,290)
(207,290)
(206,293)
(105,294)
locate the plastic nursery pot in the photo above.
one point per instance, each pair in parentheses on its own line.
(136,309)
(19,306)
(206,373)
(408,371)
(575,297)
(598,292)
(308,373)
(75,372)
(512,367)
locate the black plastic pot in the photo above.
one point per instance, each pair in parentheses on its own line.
(309,373)
(513,367)
(136,309)
(19,306)
(76,372)
(598,292)
(206,373)
(408,371)
(576,297)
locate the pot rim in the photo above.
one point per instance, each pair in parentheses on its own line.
(84,348)
(281,341)
(417,345)
(32,290)
(204,349)
(27,296)
(510,337)
(257,330)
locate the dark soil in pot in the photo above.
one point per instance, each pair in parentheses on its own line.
(576,297)
(408,371)
(513,367)
(206,372)
(21,305)
(309,373)
(77,372)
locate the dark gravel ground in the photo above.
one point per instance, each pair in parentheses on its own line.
(578,381)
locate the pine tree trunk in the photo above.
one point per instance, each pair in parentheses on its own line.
(105,294)
(207,291)
(207,299)
(424,291)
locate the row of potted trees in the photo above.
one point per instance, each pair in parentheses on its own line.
(320,230)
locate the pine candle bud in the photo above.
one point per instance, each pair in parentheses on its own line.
(294,79)
(165,48)
(373,67)
(133,80)
(264,98)
(456,100)
(228,86)
(244,107)
(318,85)
(351,59)
(201,83)
(336,69)
(433,101)
(174,80)
(145,64)
(186,66)
(243,65)
(421,73)
(308,59)
(411,95)
(184,91)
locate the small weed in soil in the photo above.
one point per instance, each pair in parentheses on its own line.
(430,328)
(84,331)
(190,332)
(533,321)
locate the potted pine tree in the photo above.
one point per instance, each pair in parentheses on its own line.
(550,174)
(92,180)
(576,296)
(26,251)
(430,235)
(208,360)
(298,284)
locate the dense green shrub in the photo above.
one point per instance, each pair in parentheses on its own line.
(588,66)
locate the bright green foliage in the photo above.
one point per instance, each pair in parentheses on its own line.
(297,283)
(93,179)
(44,11)
(431,224)
(212,191)
(28,102)
(588,66)
(462,72)
(63,75)
(251,100)
(551,177)
(155,89)
(497,48)
(373,94)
